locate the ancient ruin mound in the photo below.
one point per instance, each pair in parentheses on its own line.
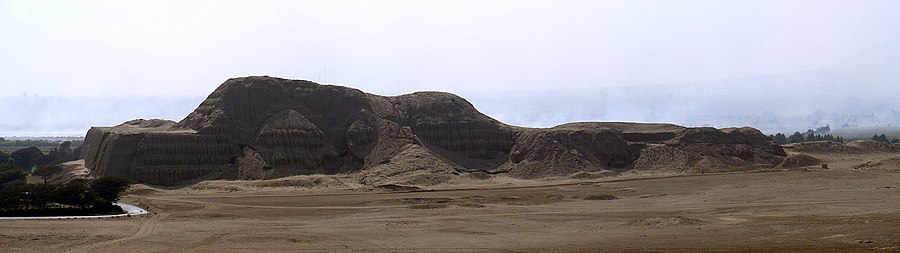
(822,147)
(264,127)
(830,147)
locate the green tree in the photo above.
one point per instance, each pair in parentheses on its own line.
(881,138)
(46,172)
(811,137)
(6,159)
(797,137)
(780,138)
(10,174)
(10,196)
(29,157)
(108,189)
(75,193)
(37,196)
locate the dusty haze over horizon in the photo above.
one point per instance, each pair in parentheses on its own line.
(775,65)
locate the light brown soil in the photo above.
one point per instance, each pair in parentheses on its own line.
(840,209)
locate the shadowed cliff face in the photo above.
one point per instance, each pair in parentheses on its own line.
(290,127)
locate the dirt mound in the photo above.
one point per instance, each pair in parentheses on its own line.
(799,161)
(830,147)
(872,146)
(601,197)
(298,183)
(665,221)
(821,147)
(561,151)
(414,166)
(711,150)
(887,165)
(67,172)
(264,127)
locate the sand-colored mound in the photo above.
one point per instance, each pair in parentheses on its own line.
(799,161)
(887,165)
(830,147)
(821,147)
(292,183)
(415,165)
(872,146)
(67,172)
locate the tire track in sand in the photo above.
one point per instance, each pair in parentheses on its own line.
(147,228)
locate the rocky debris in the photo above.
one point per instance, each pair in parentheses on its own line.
(561,151)
(264,127)
(415,165)
(633,132)
(830,147)
(886,165)
(799,161)
(699,150)
(665,221)
(601,197)
(252,166)
(872,146)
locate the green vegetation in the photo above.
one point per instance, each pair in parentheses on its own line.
(36,143)
(77,197)
(10,175)
(824,134)
(809,135)
(6,159)
(866,133)
(884,138)
(27,159)
(46,172)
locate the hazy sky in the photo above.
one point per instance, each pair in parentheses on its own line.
(126,48)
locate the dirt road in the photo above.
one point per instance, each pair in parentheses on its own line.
(774,211)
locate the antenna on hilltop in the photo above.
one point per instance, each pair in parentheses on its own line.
(323,76)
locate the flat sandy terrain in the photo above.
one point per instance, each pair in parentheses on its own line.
(817,210)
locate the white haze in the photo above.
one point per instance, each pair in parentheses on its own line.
(775,65)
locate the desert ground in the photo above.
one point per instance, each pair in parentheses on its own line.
(844,208)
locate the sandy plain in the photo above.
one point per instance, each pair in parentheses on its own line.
(840,209)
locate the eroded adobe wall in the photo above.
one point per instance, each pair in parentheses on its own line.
(156,157)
